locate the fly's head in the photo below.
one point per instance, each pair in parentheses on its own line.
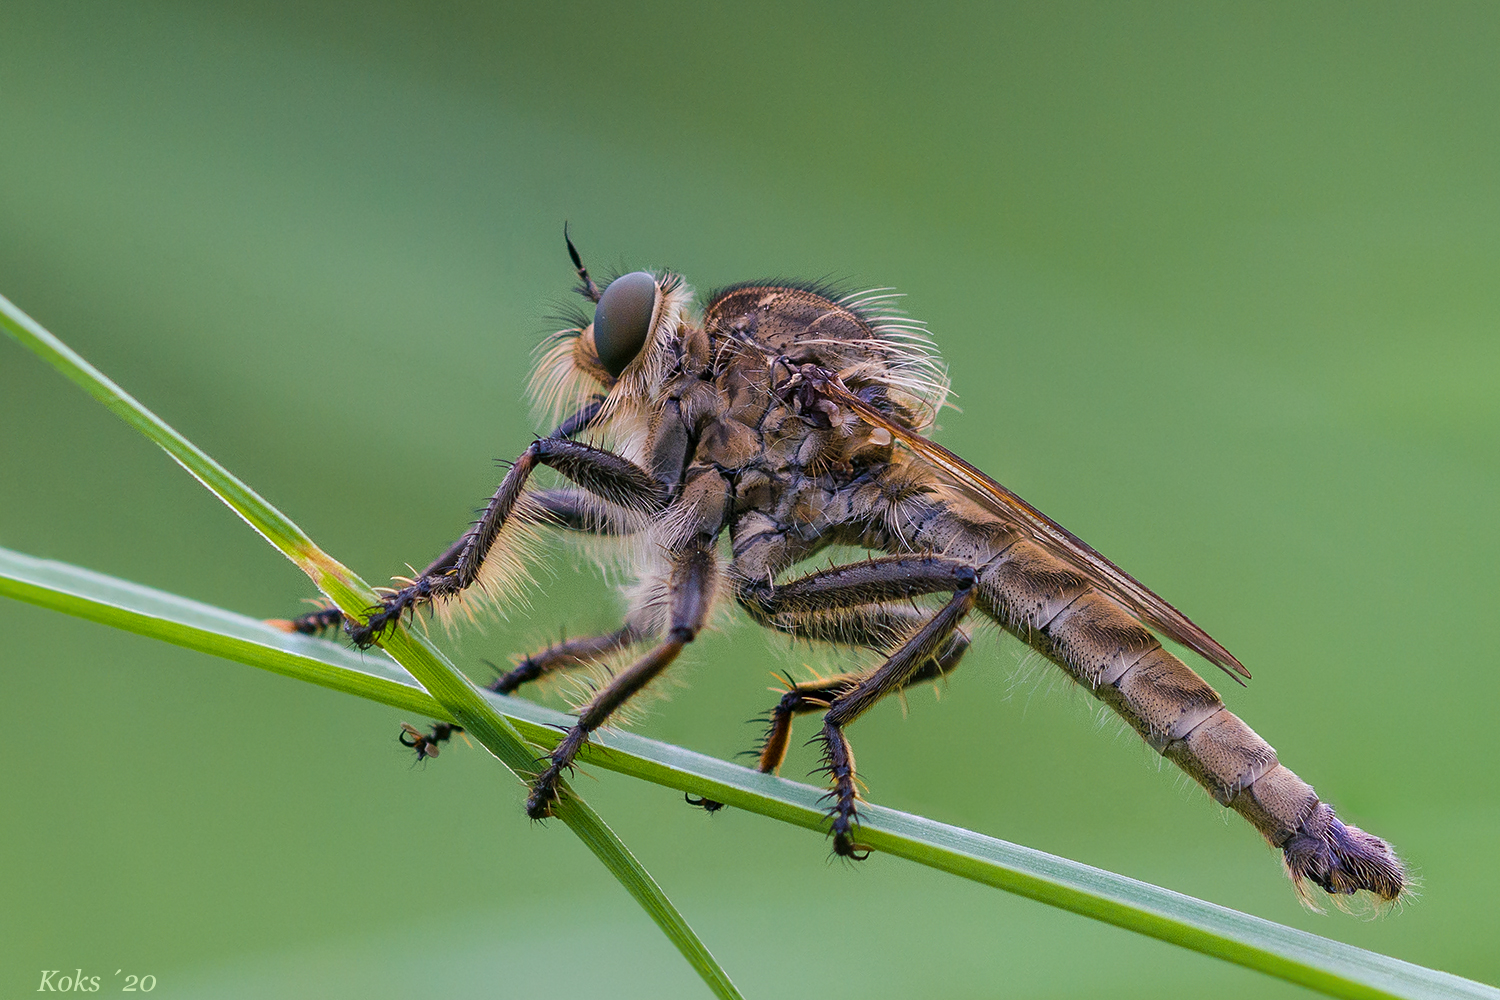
(625,352)
(644,343)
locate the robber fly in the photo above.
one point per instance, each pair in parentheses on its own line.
(790,418)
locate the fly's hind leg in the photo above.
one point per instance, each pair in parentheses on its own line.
(836,603)
(838,757)
(874,628)
(846,604)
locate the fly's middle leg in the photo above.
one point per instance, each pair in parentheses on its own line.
(690,598)
(856,586)
(563,656)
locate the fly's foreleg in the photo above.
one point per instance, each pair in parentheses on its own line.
(563,656)
(560,510)
(331,617)
(575,510)
(601,473)
(564,508)
(690,598)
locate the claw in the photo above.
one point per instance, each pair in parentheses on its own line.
(426,744)
(543,794)
(845,847)
(379,619)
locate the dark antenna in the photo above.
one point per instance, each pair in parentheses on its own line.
(586,286)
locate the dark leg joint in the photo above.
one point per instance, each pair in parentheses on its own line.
(524,672)
(602,473)
(315,623)
(543,797)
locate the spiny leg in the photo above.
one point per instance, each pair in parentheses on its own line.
(602,473)
(875,628)
(561,656)
(559,506)
(689,599)
(871,627)
(838,757)
(806,696)
(327,618)
(874,581)
(570,509)
(565,655)
(834,605)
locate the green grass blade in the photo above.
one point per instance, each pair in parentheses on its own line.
(1328,966)
(260,515)
(459,698)
(467,705)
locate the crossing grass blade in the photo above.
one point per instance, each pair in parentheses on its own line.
(456,696)
(1330,967)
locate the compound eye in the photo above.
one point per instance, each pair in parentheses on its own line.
(623,318)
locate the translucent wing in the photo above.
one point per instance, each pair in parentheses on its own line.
(1053,537)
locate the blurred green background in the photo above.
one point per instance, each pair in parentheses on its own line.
(1218,287)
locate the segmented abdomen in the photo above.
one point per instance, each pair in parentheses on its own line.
(1055,610)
